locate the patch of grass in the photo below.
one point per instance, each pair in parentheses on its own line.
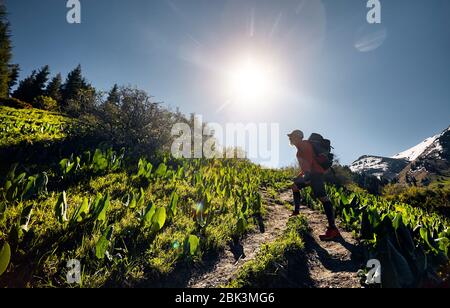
(273,257)
(28,126)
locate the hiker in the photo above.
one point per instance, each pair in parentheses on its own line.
(312,174)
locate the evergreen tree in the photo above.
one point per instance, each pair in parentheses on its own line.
(54,88)
(5,52)
(32,86)
(14,70)
(24,91)
(41,81)
(75,82)
(114,95)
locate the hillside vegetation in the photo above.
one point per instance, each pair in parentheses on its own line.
(143,222)
(29,126)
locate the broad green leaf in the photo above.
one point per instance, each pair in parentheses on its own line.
(63,165)
(100,163)
(158,219)
(5,257)
(149,212)
(344,199)
(397,221)
(81,212)
(96,206)
(103,243)
(104,205)
(444,244)
(161,170)
(192,244)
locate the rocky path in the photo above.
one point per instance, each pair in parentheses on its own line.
(330,264)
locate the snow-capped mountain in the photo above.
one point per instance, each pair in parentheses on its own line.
(433,161)
(418,164)
(414,152)
(381,167)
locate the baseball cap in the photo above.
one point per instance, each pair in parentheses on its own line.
(296,133)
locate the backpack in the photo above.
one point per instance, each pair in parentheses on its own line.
(322,149)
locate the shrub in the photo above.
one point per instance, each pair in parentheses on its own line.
(14,103)
(83,103)
(430,198)
(45,102)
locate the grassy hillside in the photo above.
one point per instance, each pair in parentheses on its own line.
(28,126)
(148,222)
(128,224)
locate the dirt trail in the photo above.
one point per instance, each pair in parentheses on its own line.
(235,256)
(330,264)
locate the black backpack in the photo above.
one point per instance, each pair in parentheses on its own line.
(322,149)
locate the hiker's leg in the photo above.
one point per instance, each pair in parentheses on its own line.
(297,201)
(328,207)
(298,184)
(318,186)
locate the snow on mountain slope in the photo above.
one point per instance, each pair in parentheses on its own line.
(432,163)
(429,158)
(378,166)
(414,152)
(425,147)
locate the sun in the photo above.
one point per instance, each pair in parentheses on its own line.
(250,81)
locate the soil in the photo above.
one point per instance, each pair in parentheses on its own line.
(329,264)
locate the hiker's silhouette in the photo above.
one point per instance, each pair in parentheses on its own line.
(332,263)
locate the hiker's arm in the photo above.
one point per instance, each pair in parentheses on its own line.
(304,160)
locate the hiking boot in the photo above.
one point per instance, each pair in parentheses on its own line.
(294,214)
(330,234)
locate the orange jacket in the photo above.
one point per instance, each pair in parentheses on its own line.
(306,159)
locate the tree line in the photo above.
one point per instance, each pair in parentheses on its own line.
(122,116)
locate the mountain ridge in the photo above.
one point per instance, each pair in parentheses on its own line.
(419,164)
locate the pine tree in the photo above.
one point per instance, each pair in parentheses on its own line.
(74,83)
(14,70)
(114,95)
(32,86)
(54,88)
(24,91)
(5,52)
(41,81)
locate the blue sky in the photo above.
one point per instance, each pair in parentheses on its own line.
(372,89)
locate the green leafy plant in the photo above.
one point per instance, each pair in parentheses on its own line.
(192,245)
(5,257)
(81,212)
(103,243)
